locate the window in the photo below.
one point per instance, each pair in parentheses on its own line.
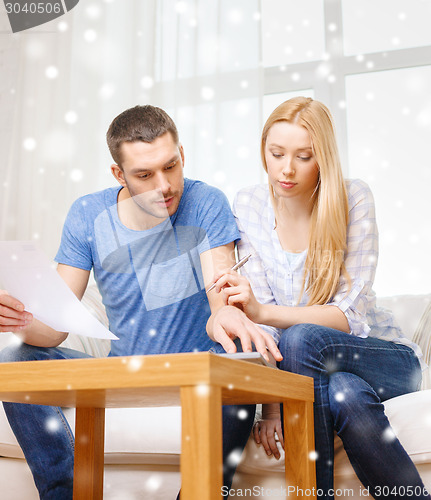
(377,88)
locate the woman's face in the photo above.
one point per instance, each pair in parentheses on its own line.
(292,169)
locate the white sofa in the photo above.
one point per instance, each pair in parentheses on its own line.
(142,447)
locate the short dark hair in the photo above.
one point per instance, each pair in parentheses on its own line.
(141,123)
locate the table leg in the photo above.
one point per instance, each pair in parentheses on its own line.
(201,443)
(299,442)
(89,454)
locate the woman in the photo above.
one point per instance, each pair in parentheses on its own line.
(314,245)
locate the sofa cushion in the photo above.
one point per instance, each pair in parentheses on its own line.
(132,435)
(410,417)
(153,435)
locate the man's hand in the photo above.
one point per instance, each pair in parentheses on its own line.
(13,316)
(229,323)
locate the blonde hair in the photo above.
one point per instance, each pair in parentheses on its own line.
(324,264)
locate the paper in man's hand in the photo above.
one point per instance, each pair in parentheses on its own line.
(28,275)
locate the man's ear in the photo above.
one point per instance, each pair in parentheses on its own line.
(181,153)
(118,173)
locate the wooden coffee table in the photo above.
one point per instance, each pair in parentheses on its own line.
(200,382)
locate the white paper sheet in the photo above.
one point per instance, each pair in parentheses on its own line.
(28,275)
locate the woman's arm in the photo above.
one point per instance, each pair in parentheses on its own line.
(236,290)
(285,316)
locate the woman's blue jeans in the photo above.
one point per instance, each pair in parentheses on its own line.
(352,376)
(48,443)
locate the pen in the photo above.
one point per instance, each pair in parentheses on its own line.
(239,264)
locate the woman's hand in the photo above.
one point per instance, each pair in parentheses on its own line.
(236,291)
(264,433)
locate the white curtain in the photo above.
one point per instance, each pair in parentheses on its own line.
(63,82)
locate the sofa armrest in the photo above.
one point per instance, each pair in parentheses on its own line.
(422,337)
(407,309)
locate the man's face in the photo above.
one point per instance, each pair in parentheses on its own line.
(153,174)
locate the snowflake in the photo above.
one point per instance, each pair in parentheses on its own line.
(181,7)
(207,93)
(235,16)
(107,91)
(76,175)
(90,36)
(219,177)
(340,396)
(29,144)
(51,72)
(147,82)
(389,435)
(242,414)
(52,424)
(323,70)
(424,118)
(71,117)
(153,483)
(93,11)
(202,390)
(135,364)
(62,26)
(234,457)
(243,152)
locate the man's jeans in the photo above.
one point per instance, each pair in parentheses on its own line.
(47,440)
(352,376)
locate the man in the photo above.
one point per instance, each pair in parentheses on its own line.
(154,244)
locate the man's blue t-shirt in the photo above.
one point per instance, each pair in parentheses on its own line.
(151,281)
